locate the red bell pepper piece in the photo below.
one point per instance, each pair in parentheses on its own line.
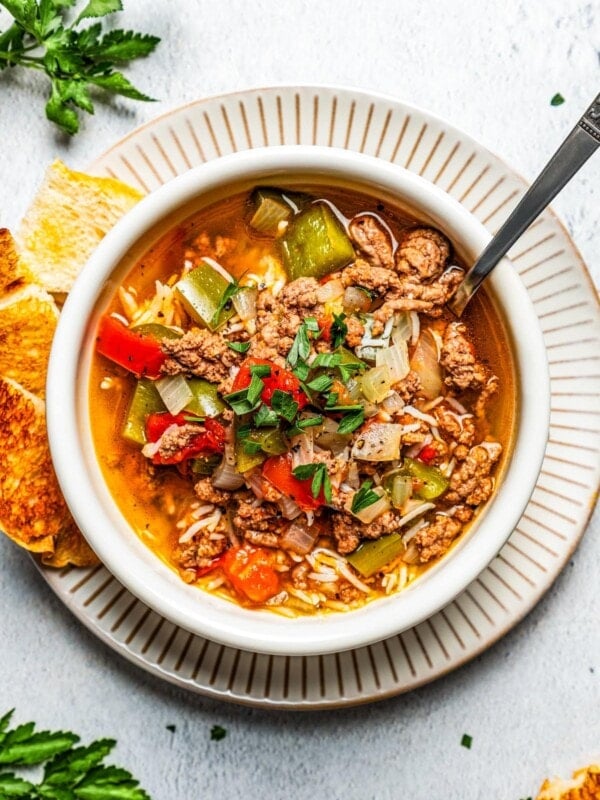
(325,322)
(278,471)
(427,454)
(209,439)
(250,571)
(280,378)
(139,353)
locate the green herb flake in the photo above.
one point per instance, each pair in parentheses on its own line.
(311,324)
(320,479)
(217,732)
(301,424)
(239,347)
(300,349)
(284,404)
(339,330)
(260,370)
(322,383)
(557,100)
(351,421)
(265,417)
(255,389)
(364,497)
(301,370)
(466,741)
(251,448)
(239,401)
(171,728)
(326,360)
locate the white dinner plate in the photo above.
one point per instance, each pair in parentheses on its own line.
(555,519)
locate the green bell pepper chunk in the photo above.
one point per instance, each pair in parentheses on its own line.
(370,557)
(156,330)
(270,208)
(145,400)
(433,481)
(204,293)
(254,448)
(206,402)
(315,244)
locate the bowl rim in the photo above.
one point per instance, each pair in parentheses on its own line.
(155,583)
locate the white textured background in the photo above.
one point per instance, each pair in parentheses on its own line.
(532,702)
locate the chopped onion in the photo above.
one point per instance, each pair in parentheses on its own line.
(327,292)
(393,404)
(403,327)
(377,382)
(226,476)
(412,554)
(413,530)
(416,512)
(244,302)
(175,393)
(355,299)
(369,340)
(396,358)
(379,442)
(254,483)
(299,538)
(289,508)
(369,513)
(425,363)
(456,405)
(416,327)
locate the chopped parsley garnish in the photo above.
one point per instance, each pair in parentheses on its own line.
(327,360)
(301,370)
(351,421)
(265,417)
(320,479)
(260,370)
(311,324)
(240,402)
(339,330)
(364,497)
(322,383)
(557,100)
(301,424)
(251,448)
(301,347)
(254,391)
(347,370)
(466,741)
(239,347)
(284,404)
(217,732)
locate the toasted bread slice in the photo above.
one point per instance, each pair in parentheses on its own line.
(33,512)
(28,318)
(585,785)
(69,216)
(13,272)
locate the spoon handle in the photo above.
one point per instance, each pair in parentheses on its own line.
(579,145)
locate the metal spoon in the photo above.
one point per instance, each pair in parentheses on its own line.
(579,145)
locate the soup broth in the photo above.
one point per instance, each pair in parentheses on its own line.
(356,428)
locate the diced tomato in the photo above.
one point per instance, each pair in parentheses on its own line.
(139,353)
(278,471)
(280,378)
(216,562)
(251,573)
(325,323)
(209,439)
(427,454)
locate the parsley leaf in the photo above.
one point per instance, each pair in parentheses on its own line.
(322,383)
(327,360)
(239,347)
(232,289)
(300,349)
(254,391)
(240,402)
(70,772)
(339,330)
(74,59)
(466,741)
(557,100)
(351,421)
(217,732)
(284,404)
(364,497)
(265,417)
(260,370)
(320,479)
(301,424)
(301,370)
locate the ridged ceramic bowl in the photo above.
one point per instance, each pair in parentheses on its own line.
(97,514)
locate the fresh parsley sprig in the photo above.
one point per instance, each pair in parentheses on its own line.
(364,497)
(70,773)
(75,59)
